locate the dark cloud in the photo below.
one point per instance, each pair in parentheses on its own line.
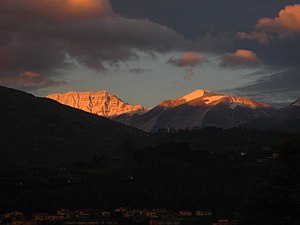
(189,59)
(29,81)
(239,59)
(53,11)
(139,70)
(277,41)
(195,18)
(277,88)
(261,37)
(41,35)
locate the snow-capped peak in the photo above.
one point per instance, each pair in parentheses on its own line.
(195,94)
(296,103)
(207,98)
(100,102)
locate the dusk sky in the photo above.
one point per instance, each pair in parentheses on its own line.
(145,51)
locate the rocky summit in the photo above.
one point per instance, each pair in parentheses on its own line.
(101,103)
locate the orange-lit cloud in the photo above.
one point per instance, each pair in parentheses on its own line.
(287,22)
(285,26)
(188,59)
(30,80)
(240,58)
(56,10)
(88,7)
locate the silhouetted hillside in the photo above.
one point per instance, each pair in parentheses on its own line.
(41,131)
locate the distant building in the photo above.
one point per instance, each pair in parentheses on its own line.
(275,155)
(165,222)
(226,222)
(203,213)
(185,213)
(40,216)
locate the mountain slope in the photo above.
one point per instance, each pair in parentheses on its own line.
(39,130)
(200,108)
(287,118)
(101,103)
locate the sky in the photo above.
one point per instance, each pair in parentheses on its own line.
(146,51)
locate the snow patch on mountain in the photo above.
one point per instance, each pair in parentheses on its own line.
(245,102)
(212,99)
(195,94)
(296,103)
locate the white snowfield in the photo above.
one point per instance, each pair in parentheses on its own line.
(195,94)
(210,99)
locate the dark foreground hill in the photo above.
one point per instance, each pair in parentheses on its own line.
(40,131)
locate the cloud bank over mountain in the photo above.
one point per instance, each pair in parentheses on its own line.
(43,35)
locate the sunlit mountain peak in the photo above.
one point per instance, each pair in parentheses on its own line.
(100,102)
(296,103)
(195,94)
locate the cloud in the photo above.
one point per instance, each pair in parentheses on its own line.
(261,37)
(51,11)
(240,58)
(196,18)
(218,34)
(278,88)
(278,46)
(286,24)
(30,80)
(46,36)
(189,59)
(139,70)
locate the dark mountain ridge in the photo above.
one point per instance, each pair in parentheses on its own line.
(42,131)
(287,118)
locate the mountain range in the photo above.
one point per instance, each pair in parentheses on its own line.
(198,109)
